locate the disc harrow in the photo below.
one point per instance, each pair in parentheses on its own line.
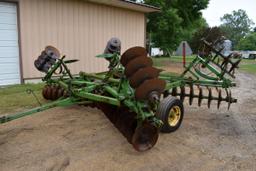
(182,92)
(139,99)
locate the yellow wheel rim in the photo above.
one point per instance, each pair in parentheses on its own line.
(174,115)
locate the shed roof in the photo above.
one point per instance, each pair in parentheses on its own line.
(128,5)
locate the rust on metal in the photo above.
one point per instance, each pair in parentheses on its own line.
(145,137)
(132,53)
(149,86)
(137,64)
(143,74)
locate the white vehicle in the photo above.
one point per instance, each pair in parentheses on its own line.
(156,52)
(248,54)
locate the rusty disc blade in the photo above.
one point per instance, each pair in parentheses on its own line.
(52,52)
(145,137)
(132,53)
(44,92)
(60,92)
(126,124)
(48,93)
(148,86)
(121,118)
(54,93)
(136,64)
(109,110)
(143,74)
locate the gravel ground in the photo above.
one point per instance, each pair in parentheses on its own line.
(81,138)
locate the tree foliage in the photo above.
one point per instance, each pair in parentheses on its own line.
(236,25)
(176,21)
(248,42)
(210,34)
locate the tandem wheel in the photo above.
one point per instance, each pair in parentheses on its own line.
(170,111)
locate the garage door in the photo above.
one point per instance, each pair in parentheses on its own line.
(9,49)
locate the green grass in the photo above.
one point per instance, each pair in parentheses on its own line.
(15,98)
(249,68)
(247,65)
(248,61)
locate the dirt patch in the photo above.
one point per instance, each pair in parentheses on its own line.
(174,68)
(81,138)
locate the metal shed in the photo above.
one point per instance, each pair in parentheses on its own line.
(188,50)
(79,28)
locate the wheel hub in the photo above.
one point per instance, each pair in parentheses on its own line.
(174,115)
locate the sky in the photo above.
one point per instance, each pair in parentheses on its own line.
(217,8)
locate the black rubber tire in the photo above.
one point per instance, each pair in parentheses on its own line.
(163,113)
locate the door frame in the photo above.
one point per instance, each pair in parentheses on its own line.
(17,4)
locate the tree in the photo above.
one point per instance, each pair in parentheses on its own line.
(236,25)
(211,34)
(248,43)
(189,10)
(176,21)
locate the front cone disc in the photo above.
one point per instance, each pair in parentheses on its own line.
(134,65)
(145,137)
(143,74)
(148,86)
(52,52)
(132,53)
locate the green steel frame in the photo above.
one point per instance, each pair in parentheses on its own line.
(88,88)
(103,87)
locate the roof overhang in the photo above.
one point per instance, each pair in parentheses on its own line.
(126,4)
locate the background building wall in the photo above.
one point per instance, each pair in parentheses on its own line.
(79,29)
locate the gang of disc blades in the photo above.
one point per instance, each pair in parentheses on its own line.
(136,64)
(143,74)
(132,53)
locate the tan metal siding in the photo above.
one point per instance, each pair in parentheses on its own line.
(78,28)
